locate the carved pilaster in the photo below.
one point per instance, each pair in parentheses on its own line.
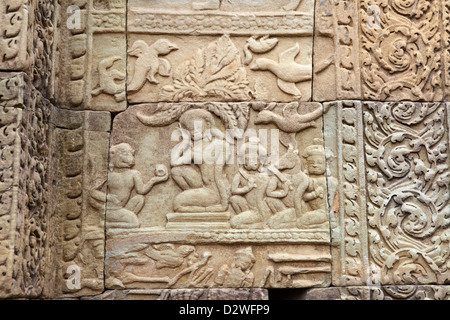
(343,135)
(337,73)
(80,152)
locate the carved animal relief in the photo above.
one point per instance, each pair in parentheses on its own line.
(230,54)
(213,149)
(204,192)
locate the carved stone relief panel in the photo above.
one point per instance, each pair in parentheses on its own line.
(25,235)
(93,47)
(336,51)
(203,212)
(220,51)
(80,153)
(402,50)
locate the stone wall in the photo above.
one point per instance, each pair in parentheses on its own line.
(127,135)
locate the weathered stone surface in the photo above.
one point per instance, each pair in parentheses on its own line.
(93,50)
(352,194)
(26,41)
(216,222)
(14,43)
(343,132)
(183,294)
(446,46)
(405,292)
(389,46)
(241,51)
(406,150)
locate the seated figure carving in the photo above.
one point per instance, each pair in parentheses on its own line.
(122,207)
(249,190)
(316,195)
(287,209)
(203,185)
(305,205)
(252,189)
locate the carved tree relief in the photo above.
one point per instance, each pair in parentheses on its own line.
(201,208)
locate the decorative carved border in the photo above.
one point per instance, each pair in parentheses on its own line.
(75,87)
(26,43)
(406,151)
(183,294)
(338,21)
(446,45)
(343,129)
(80,147)
(14,17)
(431,292)
(194,23)
(401,50)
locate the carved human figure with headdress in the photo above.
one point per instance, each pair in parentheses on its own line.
(239,273)
(249,189)
(316,195)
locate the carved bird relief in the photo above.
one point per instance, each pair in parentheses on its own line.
(290,121)
(286,70)
(261,45)
(148,63)
(109,79)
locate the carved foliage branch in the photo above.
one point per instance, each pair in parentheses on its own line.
(214,72)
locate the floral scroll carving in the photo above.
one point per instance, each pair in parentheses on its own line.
(400,50)
(408,192)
